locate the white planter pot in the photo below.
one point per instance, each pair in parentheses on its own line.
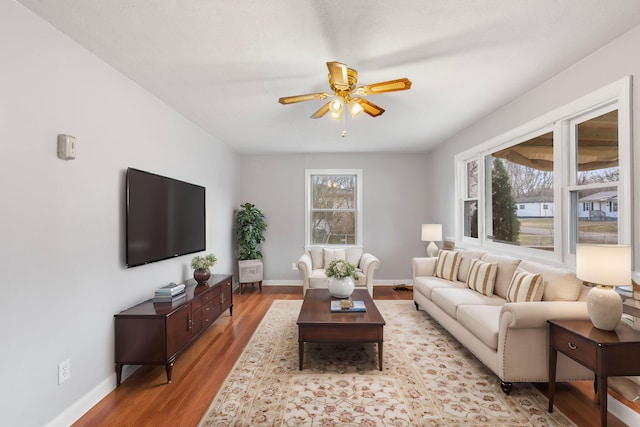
(250,271)
(341,288)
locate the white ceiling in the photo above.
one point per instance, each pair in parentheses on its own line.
(224,63)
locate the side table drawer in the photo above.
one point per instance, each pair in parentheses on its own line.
(576,347)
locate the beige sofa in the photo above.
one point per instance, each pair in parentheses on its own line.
(510,338)
(314,259)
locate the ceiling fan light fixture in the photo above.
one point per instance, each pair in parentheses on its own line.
(355,108)
(335,108)
(343,81)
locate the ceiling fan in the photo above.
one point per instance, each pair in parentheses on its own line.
(346,95)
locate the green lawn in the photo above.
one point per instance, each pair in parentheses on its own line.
(589,231)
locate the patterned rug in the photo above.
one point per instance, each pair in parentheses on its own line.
(429,379)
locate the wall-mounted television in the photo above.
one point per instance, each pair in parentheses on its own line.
(165,218)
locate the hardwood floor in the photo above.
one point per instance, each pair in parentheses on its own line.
(145,399)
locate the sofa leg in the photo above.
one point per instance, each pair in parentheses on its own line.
(506,387)
(417,306)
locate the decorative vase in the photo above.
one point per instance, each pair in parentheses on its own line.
(201,275)
(341,288)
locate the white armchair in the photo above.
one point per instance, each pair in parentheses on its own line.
(313,261)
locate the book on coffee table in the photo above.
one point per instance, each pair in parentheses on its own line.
(356,306)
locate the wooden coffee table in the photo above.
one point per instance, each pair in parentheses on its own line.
(318,324)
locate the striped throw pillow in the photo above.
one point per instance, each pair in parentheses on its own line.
(525,287)
(482,276)
(448,264)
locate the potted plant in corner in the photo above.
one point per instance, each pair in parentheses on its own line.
(201,265)
(250,225)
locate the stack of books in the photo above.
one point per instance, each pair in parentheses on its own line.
(348,306)
(170,293)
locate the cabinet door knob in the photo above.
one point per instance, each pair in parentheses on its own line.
(572,346)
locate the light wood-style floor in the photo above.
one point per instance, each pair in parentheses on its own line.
(145,399)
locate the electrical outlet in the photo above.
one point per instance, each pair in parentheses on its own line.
(294,266)
(64,371)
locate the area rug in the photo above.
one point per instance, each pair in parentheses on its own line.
(429,379)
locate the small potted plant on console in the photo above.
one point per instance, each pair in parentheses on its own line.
(201,265)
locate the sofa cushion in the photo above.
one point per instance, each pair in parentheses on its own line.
(559,284)
(333,254)
(483,321)
(353,255)
(482,276)
(465,263)
(449,299)
(506,267)
(448,264)
(525,287)
(425,284)
(317,258)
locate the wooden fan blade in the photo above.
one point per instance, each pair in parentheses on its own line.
(339,75)
(369,107)
(321,112)
(382,87)
(299,98)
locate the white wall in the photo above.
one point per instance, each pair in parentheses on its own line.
(62,222)
(395,201)
(603,67)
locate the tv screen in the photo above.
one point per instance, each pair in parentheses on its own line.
(165,218)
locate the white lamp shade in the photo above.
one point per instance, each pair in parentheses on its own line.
(431,232)
(604,264)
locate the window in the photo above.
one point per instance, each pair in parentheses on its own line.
(595,167)
(521,171)
(559,180)
(471,198)
(333,207)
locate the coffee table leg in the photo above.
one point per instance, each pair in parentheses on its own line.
(300,354)
(380,355)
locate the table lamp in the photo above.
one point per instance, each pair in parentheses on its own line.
(604,266)
(432,233)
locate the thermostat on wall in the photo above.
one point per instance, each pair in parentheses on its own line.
(66,147)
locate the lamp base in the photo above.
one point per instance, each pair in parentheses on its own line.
(432,250)
(605,307)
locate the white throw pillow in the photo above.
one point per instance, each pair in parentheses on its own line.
(482,276)
(317,258)
(353,255)
(331,254)
(448,264)
(525,287)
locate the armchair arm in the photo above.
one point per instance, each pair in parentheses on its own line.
(369,263)
(304,265)
(424,266)
(521,315)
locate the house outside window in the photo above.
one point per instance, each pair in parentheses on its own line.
(559,180)
(333,207)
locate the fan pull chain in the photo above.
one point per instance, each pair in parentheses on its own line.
(344,125)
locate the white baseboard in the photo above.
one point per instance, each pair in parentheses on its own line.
(86,402)
(282,282)
(622,411)
(396,282)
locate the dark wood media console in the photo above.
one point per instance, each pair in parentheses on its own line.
(155,333)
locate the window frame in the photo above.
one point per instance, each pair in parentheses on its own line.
(309,173)
(616,95)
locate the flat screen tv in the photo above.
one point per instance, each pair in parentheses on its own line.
(165,218)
